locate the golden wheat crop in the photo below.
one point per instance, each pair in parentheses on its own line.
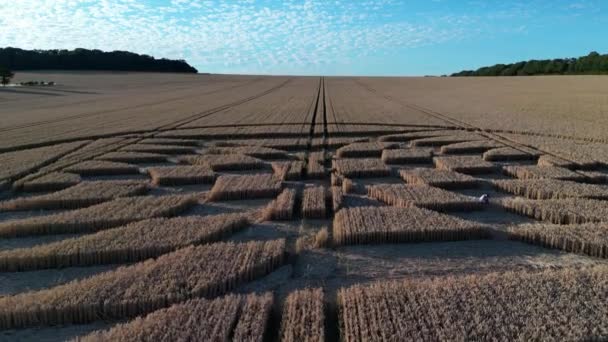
(584,155)
(315,167)
(549,160)
(538,172)
(318,143)
(405,195)
(162,149)
(221,133)
(205,133)
(314,202)
(408,136)
(241,187)
(364,149)
(254,317)
(133,157)
(167,141)
(101,216)
(252,151)
(50,182)
(510,154)
(319,156)
(191,272)
(80,195)
(361,167)
(465,164)
(554,305)
(288,171)
(87,152)
(322,238)
(337,142)
(357,130)
(278,143)
(102,167)
(559,211)
(303,316)
(348,186)
(282,207)
(438,178)
(352,187)
(244,318)
(20,163)
(588,238)
(477,146)
(362,225)
(181,175)
(551,189)
(286,144)
(225,162)
(249,133)
(445,140)
(407,156)
(133,242)
(337,198)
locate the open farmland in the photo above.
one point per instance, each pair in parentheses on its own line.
(287,208)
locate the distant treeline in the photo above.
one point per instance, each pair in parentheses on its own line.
(83,59)
(592,64)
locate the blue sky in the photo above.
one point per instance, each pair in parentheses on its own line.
(314,37)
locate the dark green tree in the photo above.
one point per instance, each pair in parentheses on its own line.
(592,64)
(5,75)
(83,59)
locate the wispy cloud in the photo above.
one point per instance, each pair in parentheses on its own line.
(233,36)
(297,36)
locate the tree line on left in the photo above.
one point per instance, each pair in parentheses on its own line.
(84,59)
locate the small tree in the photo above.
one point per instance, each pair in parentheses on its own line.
(6,75)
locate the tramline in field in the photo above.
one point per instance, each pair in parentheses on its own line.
(253,208)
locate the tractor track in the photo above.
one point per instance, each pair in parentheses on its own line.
(459,123)
(204,114)
(86,115)
(333,111)
(313,122)
(325,130)
(152,132)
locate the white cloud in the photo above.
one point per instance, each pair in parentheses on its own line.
(235,36)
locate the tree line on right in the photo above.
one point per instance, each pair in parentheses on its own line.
(592,64)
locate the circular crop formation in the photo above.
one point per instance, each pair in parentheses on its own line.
(324,223)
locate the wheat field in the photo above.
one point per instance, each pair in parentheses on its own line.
(259,208)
